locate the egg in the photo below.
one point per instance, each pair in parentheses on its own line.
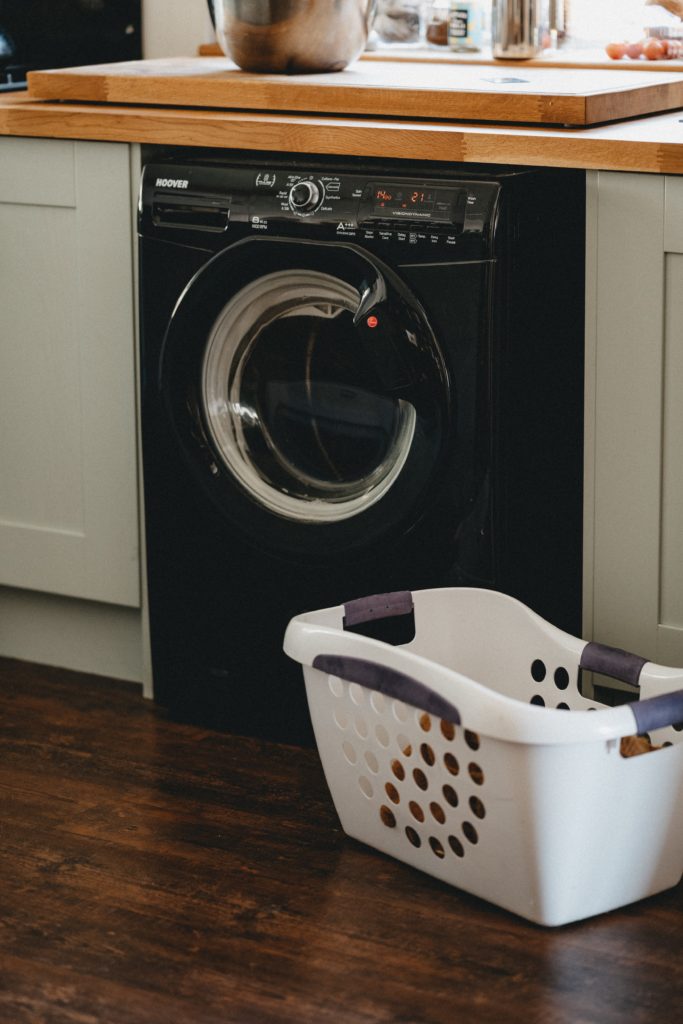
(654,49)
(616,50)
(634,50)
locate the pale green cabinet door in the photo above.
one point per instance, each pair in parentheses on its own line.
(634,386)
(68,485)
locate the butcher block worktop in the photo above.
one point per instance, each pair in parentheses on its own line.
(652,144)
(451,92)
(649,144)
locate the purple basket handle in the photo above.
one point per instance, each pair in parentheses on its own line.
(612,661)
(658,712)
(380,606)
(389,682)
(653,713)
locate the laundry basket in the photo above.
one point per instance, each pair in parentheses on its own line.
(470,753)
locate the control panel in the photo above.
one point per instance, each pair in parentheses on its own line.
(414,212)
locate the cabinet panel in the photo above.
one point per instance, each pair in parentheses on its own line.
(671,599)
(635,342)
(68,499)
(40,415)
(673,215)
(28,175)
(627,410)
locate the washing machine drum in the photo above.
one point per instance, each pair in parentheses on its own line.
(307,392)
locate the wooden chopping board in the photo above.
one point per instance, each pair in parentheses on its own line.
(375,88)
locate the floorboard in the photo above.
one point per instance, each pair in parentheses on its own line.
(157,872)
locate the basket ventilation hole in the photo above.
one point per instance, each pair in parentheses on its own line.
(562,706)
(472,740)
(476,774)
(451,763)
(470,832)
(341,719)
(412,835)
(398,769)
(349,752)
(477,807)
(371,761)
(438,812)
(456,846)
(392,793)
(428,755)
(538,670)
(387,816)
(356,693)
(377,702)
(450,796)
(420,778)
(404,745)
(361,726)
(436,846)
(425,722)
(416,811)
(365,785)
(561,678)
(336,686)
(537,699)
(400,711)
(448,729)
(382,735)
(678,726)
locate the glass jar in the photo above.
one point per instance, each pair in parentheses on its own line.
(399,22)
(436,29)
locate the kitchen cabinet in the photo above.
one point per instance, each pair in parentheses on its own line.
(68,465)
(634,383)
(69,560)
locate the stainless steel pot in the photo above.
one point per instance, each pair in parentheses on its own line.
(292,36)
(515,29)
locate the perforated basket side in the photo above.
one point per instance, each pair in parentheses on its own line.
(528,828)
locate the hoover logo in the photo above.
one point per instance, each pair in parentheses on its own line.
(172,183)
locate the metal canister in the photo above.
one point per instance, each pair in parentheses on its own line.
(515,29)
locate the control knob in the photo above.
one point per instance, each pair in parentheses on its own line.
(305,196)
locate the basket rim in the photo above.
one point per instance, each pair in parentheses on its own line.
(311,635)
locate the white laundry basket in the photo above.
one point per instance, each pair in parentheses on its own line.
(470,753)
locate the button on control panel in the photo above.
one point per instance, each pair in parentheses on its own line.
(305,196)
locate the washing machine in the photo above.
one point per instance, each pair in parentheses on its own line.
(355,378)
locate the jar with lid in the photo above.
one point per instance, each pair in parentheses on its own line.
(465,25)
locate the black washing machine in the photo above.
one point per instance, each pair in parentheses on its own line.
(356,378)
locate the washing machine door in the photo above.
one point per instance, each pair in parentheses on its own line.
(307,392)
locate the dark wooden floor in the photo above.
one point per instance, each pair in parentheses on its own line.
(155,872)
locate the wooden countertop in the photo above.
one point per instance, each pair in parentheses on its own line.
(156,871)
(447,92)
(649,144)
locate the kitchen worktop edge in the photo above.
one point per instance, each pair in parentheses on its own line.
(652,144)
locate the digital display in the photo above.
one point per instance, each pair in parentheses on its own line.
(393,200)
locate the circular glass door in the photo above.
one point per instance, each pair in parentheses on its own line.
(293,407)
(307,391)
